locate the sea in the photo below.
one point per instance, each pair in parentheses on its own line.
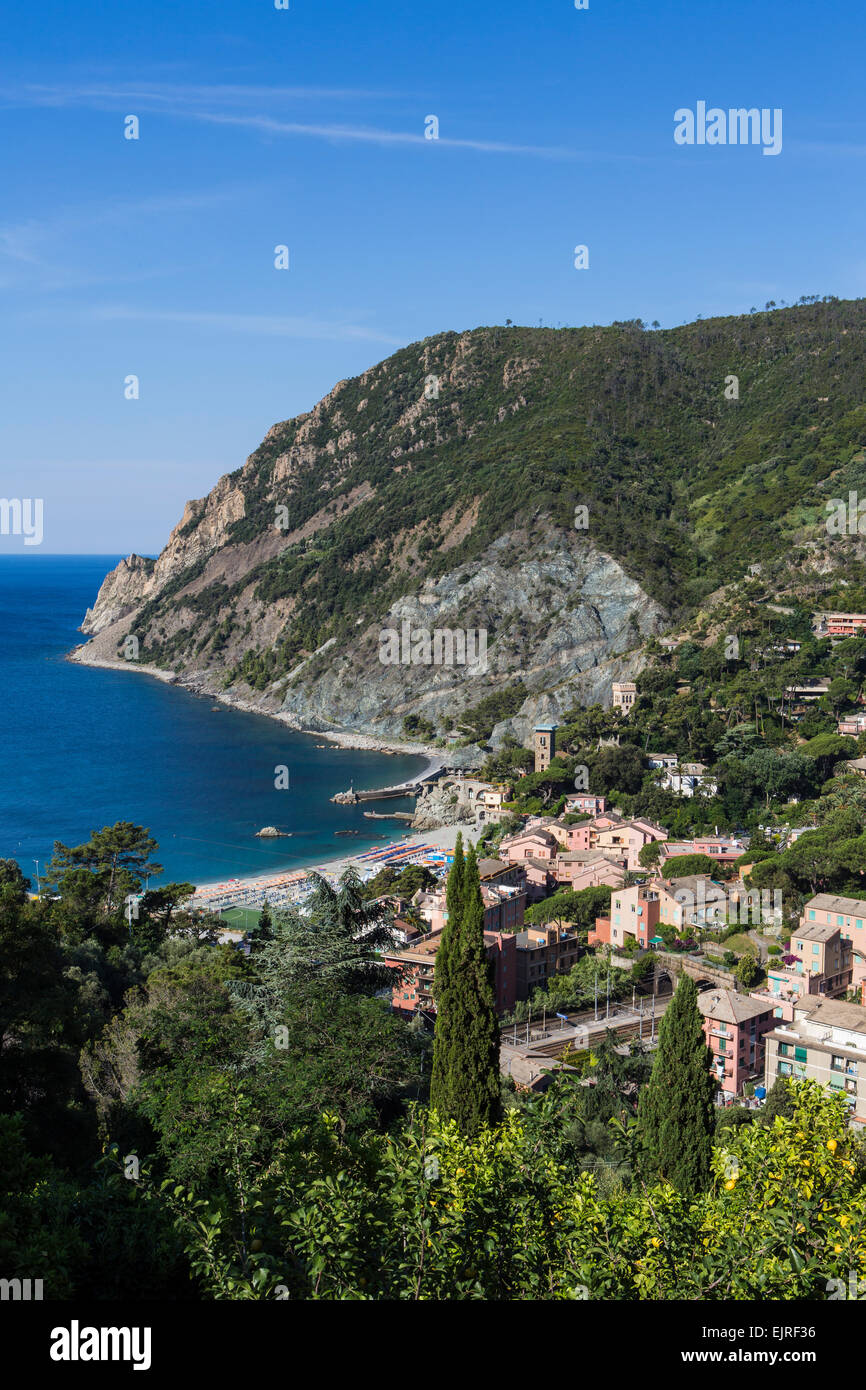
(82,747)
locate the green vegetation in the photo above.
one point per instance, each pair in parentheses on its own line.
(478,723)
(427,1213)
(567,908)
(180,1122)
(676,1114)
(607,416)
(465,1081)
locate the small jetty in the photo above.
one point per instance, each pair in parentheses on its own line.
(411,788)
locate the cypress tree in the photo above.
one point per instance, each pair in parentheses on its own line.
(454,888)
(676,1114)
(440,1080)
(465,1083)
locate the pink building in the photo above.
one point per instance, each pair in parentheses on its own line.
(634,913)
(418,963)
(716,846)
(538,878)
(841,624)
(504,906)
(587,869)
(585,803)
(532,843)
(849,915)
(818,961)
(735,1027)
(628,839)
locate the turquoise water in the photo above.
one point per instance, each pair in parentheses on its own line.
(83,747)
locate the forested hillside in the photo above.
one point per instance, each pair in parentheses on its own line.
(454,476)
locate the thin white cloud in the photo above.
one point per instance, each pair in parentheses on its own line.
(176,94)
(273,325)
(268,125)
(31,245)
(187,102)
(827,147)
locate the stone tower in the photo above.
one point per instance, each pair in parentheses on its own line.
(545,746)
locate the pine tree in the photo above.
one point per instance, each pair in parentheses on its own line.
(332,946)
(465,1085)
(676,1114)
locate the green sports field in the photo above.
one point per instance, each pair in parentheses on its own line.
(240,918)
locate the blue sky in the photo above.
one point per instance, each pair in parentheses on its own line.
(305,127)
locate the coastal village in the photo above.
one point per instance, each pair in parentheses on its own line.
(807,1018)
(433,849)
(779,998)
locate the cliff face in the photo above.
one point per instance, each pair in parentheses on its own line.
(562,493)
(203,528)
(561,621)
(121,593)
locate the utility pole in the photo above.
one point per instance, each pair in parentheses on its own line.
(38,889)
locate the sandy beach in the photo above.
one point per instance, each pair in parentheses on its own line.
(287,880)
(443,838)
